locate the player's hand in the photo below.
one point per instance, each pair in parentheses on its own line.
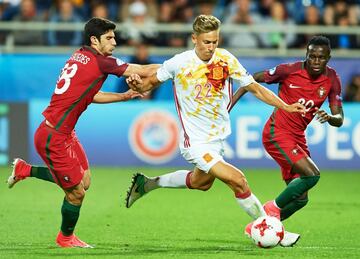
(321,115)
(131,94)
(134,82)
(295,107)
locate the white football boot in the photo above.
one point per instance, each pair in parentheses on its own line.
(289,239)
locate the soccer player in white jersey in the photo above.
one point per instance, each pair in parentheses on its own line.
(203,95)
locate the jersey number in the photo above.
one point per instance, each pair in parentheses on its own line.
(308,104)
(66,74)
(199,89)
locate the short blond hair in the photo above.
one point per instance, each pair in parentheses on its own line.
(205,23)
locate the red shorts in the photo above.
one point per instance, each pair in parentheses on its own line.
(63,154)
(285,148)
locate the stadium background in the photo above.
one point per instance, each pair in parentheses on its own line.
(36,38)
(140,136)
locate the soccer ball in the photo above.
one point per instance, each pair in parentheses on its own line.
(267,232)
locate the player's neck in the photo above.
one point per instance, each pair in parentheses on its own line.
(97,49)
(205,61)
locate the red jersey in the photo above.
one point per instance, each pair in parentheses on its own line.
(80,80)
(296,85)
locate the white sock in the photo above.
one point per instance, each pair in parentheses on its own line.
(176,179)
(252,206)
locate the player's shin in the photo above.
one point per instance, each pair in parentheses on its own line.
(70,215)
(295,189)
(42,173)
(251,204)
(292,207)
(177,179)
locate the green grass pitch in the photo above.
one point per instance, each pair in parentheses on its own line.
(176,223)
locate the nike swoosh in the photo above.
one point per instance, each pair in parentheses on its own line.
(294,86)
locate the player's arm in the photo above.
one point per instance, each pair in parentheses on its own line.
(108,97)
(267,96)
(141,70)
(142,85)
(336,118)
(259,77)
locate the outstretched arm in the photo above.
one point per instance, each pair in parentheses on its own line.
(142,85)
(336,118)
(107,97)
(141,70)
(270,98)
(259,77)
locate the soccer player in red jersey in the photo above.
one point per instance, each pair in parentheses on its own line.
(55,140)
(309,82)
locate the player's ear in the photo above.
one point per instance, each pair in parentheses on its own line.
(193,38)
(94,40)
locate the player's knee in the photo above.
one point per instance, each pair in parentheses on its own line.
(86,181)
(87,185)
(205,187)
(202,186)
(313,172)
(76,196)
(238,183)
(316,172)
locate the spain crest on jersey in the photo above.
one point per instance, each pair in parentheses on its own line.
(218,73)
(321,92)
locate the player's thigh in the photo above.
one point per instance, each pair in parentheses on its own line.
(305,167)
(204,156)
(58,152)
(228,174)
(286,151)
(83,161)
(80,152)
(201,179)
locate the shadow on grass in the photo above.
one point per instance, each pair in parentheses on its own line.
(191,248)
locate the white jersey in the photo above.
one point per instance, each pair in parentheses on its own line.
(203,93)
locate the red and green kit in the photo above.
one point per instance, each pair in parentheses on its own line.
(284,133)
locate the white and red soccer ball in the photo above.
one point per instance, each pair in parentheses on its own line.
(267,232)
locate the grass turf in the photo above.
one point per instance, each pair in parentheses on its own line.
(176,223)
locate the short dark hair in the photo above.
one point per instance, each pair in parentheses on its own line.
(96,27)
(319,41)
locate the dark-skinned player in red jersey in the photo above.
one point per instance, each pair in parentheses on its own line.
(55,140)
(309,82)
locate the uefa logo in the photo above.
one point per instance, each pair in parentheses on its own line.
(154,136)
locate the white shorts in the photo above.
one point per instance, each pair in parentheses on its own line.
(204,156)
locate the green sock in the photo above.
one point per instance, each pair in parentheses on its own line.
(295,189)
(292,207)
(42,173)
(70,214)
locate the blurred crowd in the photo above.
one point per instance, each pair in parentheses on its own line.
(147,13)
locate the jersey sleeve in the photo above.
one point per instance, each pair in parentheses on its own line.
(276,74)
(238,73)
(167,70)
(334,96)
(112,65)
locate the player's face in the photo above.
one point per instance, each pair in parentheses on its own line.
(316,59)
(107,43)
(205,44)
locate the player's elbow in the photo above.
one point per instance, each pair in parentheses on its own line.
(337,123)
